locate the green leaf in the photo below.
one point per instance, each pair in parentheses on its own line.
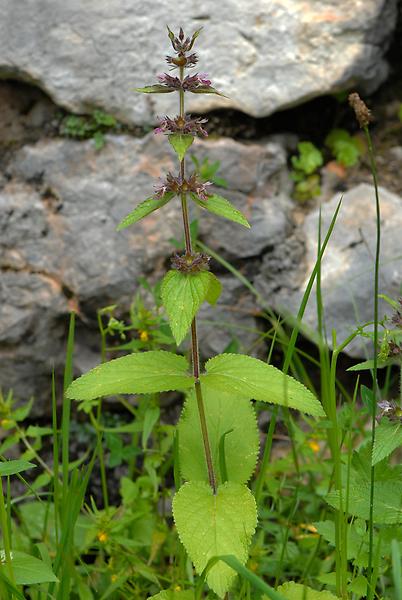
(222,207)
(143,209)
(253,378)
(154,89)
(387,500)
(151,416)
(140,373)
(359,586)
(357,542)
(180,143)
(224,412)
(182,295)
(296,591)
(29,570)
(210,526)
(12,467)
(214,290)
(369,364)
(390,301)
(246,575)
(173,595)
(207,89)
(309,160)
(388,437)
(343,146)
(36,431)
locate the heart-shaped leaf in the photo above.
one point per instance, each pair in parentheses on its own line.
(213,525)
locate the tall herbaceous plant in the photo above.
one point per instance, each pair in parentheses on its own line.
(214,510)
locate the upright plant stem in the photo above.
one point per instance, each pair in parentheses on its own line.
(194,338)
(370,591)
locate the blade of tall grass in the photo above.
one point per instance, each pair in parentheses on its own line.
(293,338)
(56,483)
(66,410)
(396,569)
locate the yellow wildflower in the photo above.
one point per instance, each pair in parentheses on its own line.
(314,446)
(102,537)
(144,337)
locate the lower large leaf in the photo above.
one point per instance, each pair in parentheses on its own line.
(296,591)
(253,378)
(140,373)
(173,595)
(212,525)
(233,437)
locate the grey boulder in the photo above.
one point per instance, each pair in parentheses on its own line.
(347,277)
(89,54)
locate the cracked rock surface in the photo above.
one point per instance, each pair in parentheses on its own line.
(90,54)
(59,250)
(348,266)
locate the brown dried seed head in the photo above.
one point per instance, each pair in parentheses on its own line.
(363,114)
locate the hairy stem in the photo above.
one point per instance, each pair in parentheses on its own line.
(194,338)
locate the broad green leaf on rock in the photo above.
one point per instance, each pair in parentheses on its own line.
(29,570)
(173,595)
(143,209)
(140,373)
(210,526)
(296,591)
(182,295)
(180,142)
(12,467)
(388,437)
(155,89)
(224,412)
(253,378)
(222,207)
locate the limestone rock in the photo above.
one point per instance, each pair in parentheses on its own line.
(91,53)
(59,249)
(347,267)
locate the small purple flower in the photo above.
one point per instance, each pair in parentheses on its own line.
(184,125)
(203,79)
(171,184)
(394,349)
(189,83)
(178,186)
(397,317)
(195,82)
(197,187)
(390,410)
(172,83)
